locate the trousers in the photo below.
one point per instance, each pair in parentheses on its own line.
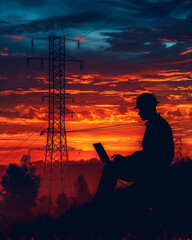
(124,169)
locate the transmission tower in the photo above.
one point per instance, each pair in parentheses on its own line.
(178,149)
(56,174)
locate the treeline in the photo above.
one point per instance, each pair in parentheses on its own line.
(20,198)
(24,214)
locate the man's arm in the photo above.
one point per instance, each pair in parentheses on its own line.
(136,156)
(118,157)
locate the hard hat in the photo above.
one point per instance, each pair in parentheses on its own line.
(146,100)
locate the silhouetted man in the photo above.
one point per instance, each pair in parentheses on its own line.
(146,168)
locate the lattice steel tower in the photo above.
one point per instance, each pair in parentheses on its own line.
(56,156)
(56,175)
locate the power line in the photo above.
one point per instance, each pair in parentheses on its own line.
(96,128)
(144,40)
(18,114)
(137,56)
(124,13)
(102,25)
(24,107)
(21,126)
(12,138)
(80,130)
(22,142)
(133,58)
(13,99)
(89,66)
(140,37)
(29,146)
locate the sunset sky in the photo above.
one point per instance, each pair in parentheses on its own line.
(129,47)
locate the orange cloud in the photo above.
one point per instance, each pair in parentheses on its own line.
(19,54)
(79,38)
(188,51)
(114,108)
(166,40)
(22,92)
(3,77)
(15,37)
(4,54)
(82,79)
(79,91)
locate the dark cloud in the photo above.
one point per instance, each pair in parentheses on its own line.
(127,41)
(190,113)
(146,40)
(162,9)
(27,113)
(154,9)
(46,24)
(8,114)
(122,109)
(126,33)
(24,3)
(153,76)
(176,113)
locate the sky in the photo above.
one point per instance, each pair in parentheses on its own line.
(129,47)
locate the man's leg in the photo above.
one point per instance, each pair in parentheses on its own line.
(113,171)
(107,182)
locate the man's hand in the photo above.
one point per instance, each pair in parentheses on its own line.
(117,157)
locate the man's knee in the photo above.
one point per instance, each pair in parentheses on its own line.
(109,168)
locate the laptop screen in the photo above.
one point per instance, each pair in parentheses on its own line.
(101,152)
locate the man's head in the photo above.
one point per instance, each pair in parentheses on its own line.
(146,103)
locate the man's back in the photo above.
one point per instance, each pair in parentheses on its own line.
(158,145)
(147,168)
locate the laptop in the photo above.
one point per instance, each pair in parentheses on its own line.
(101,152)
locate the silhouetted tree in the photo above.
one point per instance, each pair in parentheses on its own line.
(62,204)
(43,206)
(82,191)
(21,186)
(27,165)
